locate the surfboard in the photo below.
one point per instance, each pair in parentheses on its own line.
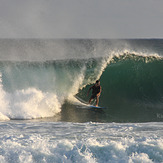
(85,104)
(96,107)
(90,107)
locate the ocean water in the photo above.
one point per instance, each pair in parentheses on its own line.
(41,120)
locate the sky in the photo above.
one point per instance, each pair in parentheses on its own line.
(81,19)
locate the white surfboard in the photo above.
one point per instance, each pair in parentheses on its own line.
(85,104)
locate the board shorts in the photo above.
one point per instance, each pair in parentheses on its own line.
(94,96)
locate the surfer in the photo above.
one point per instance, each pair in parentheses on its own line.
(96,91)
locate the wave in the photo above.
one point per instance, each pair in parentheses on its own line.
(131,82)
(132,88)
(132,77)
(39,89)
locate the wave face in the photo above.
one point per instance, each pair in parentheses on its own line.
(132,88)
(136,78)
(41,78)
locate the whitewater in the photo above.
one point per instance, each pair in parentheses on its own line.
(40,118)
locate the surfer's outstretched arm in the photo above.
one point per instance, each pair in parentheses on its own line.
(88,95)
(89,91)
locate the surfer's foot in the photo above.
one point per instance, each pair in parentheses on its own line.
(96,105)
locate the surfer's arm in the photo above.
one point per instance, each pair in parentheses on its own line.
(89,90)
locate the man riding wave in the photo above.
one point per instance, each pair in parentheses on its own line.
(96,91)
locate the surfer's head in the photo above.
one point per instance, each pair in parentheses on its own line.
(97,82)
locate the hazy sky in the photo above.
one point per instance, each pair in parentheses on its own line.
(81,18)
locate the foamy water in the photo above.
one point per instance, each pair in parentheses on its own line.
(80,142)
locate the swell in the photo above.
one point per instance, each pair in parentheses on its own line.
(132,85)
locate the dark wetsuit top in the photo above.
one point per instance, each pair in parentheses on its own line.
(95,90)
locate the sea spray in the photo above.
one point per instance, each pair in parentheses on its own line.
(3,102)
(32,103)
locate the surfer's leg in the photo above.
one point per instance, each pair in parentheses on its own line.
(90,100)
(97,100)
(92,97)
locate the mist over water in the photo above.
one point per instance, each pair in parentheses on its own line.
(51,49)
